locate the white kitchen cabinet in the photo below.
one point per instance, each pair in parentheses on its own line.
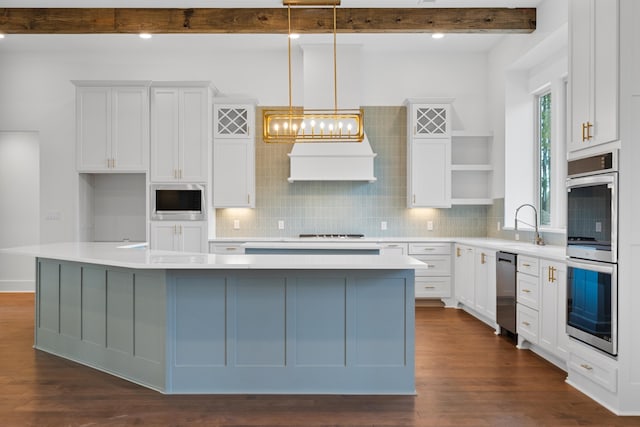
(485,283)
(593,72)
(553,309)
(393,248)
(527,298)
(184,236)
(112,126)
(464,275)
(228,248)
(475,281)
(429,175)
(428,154)
(180,134)
(435,281)
(471,168)
(234,177)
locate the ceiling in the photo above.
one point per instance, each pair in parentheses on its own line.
(239,42)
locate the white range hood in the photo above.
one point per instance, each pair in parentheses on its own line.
(332,161)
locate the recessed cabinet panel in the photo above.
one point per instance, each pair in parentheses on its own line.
(234,176)
(594,72)
(430,173)
(129,146)
(164,133)
(93,123)
(194,135)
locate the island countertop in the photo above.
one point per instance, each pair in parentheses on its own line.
(140,257)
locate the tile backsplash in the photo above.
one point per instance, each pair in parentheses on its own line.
(347,207)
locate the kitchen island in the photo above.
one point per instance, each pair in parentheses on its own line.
(202,323)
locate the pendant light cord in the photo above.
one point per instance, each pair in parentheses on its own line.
(335,63)
(289,56)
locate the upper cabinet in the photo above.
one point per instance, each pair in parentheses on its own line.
(428,154)
(180,133)
(234,179)
(112,126)
(445,167)
(593,72)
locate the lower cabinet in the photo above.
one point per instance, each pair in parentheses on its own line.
(542,307)
(435,281)
(184,236)
(475,281)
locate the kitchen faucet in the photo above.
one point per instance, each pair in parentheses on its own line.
(537,239)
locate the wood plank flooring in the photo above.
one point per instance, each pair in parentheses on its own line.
(465,376)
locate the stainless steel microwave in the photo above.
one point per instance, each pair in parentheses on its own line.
(179,202)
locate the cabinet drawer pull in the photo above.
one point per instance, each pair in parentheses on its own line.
(429,249)
(587,367)
(431,266)
(429,287)
(526,291)
(524,264)
(526,323)
(458,252)
(231,249)
(589,126)
(392,246)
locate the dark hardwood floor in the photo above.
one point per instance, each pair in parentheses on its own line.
(465,376)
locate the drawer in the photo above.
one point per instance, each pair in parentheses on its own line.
(528,291)
(527,323)
(230,249)
(438,265)
(433,287)
(598,371)
(394,249)
(429,248)
(527,264)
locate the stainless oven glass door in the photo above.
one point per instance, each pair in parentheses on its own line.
(592,217)
(592,301)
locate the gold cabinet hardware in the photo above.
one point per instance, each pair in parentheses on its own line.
(526,291)
(526,323)
(231,249)
(552,274)
(589,126)
(429,287)
(587,367)
(524,264)
(248,199)
(458,252)
(414,199)
(584,135)
(431,266)
(482,258)
(429,249)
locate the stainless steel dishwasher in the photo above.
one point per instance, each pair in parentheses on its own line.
(506,268)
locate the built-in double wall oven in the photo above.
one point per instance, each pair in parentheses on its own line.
(592,251)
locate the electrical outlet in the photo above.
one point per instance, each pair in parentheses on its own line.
(383,225)
(598,227)
(236,224)
(430,225)
(280,225)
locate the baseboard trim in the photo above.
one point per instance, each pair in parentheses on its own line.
(17,285)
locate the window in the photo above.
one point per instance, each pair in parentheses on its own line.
(544,157)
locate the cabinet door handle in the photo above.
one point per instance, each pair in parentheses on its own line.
(248,199)
(482,258)
(552,274)
(587,367)
(584,133)
(524,264)
(429,287)
(589,126)
(526,323)
(526,291)
(457,252)
(414,199)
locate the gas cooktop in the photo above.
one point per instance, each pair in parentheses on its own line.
(332,236)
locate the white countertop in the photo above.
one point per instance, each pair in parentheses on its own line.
(552,252)
(132,256)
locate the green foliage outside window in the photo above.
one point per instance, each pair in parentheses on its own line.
(544,143)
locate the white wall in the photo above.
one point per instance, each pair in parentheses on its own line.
(36,93)
(19,207)
(518,53)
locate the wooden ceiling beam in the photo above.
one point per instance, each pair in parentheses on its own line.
(264,21)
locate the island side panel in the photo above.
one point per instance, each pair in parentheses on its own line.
(292,331)
(109,318)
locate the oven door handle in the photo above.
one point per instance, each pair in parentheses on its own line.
(600,267)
